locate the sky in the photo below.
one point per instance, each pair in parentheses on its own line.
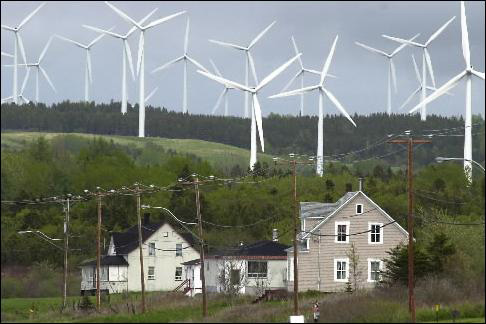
(360,86)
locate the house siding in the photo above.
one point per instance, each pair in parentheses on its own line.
(329,250)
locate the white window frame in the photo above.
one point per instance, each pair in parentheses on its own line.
(336,231)
(357,209)
(369,233)
(165,234)
(256,275)
(151,251)
(149,276)
(178,278)
(369,268)
(347,269)
(178,250)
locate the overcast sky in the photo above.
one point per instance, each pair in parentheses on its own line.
(361,85)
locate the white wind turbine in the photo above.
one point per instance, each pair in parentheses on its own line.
(425,59)
(21,95)
(185,58)
(256,113)
(141,60)
(301,73)
(88,77)
(223,95)
(248,60)
(392,75)
(19,45)
(322,91)
(467,73)
(7,55)
(126,56)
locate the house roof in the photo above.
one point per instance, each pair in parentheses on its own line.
(261,249)
(318,209)
(107,260)
(192,262)
(126,242)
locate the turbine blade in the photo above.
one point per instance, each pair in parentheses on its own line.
(45,50)
(403,41)
(162,20)
(166,65)
(371,49)
(186,38)
(21,47)
(196,63)
(26,19)
(297,52)
(227,44)
(258,117)
(317,72)
(7,55)
(224,81)
(151,94)
(429,65)
(328,60)
(295,92)
(410,97)
(440,91)
(44,73)
(417,73)
(393,75)
(140,52)
(218,102)
(144,19)
(399,48)
(88,62)
(123,15)
(291,81)
(256,39)
(252,66)
(215,68)
(465,36)
(277,71)
(71,41)
(4,100)
(434,89)
(338,105)
(24,83)
(478,74)
(440,30)
(102,31)
(11,29)
(97,39)
(128,54)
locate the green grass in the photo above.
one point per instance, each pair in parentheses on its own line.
(462,320)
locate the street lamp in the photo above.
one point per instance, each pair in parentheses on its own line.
(441,159)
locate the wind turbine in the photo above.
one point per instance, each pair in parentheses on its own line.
(322,91)
(7,55)
(88,78)
(300,74)
(126,55)
(21,95)
(256,113)
(419,89)
(19,45)
(392,75)
(141,60)
(248,60)
(425,58)
(185,58)
(467,73)
(223,95)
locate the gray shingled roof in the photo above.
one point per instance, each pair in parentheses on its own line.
(318,209)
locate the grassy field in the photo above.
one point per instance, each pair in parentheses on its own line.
(218,155)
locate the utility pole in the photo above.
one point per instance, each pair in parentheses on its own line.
(295,215)
(140,239)
(410,142)
(66,248)
(318,260)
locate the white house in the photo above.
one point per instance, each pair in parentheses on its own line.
(165,248)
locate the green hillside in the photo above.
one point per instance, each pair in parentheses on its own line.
(220,156)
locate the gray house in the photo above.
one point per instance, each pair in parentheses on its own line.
(329,229)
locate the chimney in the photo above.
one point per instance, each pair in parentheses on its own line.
(275,235)
(146,218)
(361,184)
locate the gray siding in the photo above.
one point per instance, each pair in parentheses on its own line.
(329,249)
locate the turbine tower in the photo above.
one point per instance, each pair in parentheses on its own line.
(223,95)
(185,58)
(300,74)
(21,95)
(88,77)
(425,59)
(19,45)
(467,73)
(141,60)
(248,60)
(322,91)
(256,113)
(392,76)
(126,56)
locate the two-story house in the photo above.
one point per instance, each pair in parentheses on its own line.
(329,229)
(166,246)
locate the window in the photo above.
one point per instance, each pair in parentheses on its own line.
(341,270)
(359,208)
(375,234)
(165,234)
(342,232)
(151,273)
(235,277)
(290,273)
(374,268)
(152,249)
(178,273)
(257,269)
(178,249)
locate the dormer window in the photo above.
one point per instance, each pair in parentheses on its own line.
(359,208)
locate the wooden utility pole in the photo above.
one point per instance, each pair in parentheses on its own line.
(203,280)
(98,256)
(66,248)
(411,298)
(140,241)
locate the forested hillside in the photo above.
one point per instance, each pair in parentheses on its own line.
(283,134)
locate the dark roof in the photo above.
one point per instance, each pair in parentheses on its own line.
(126,242)
(192,262)
(107,260)
(261,248)
(318,209)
